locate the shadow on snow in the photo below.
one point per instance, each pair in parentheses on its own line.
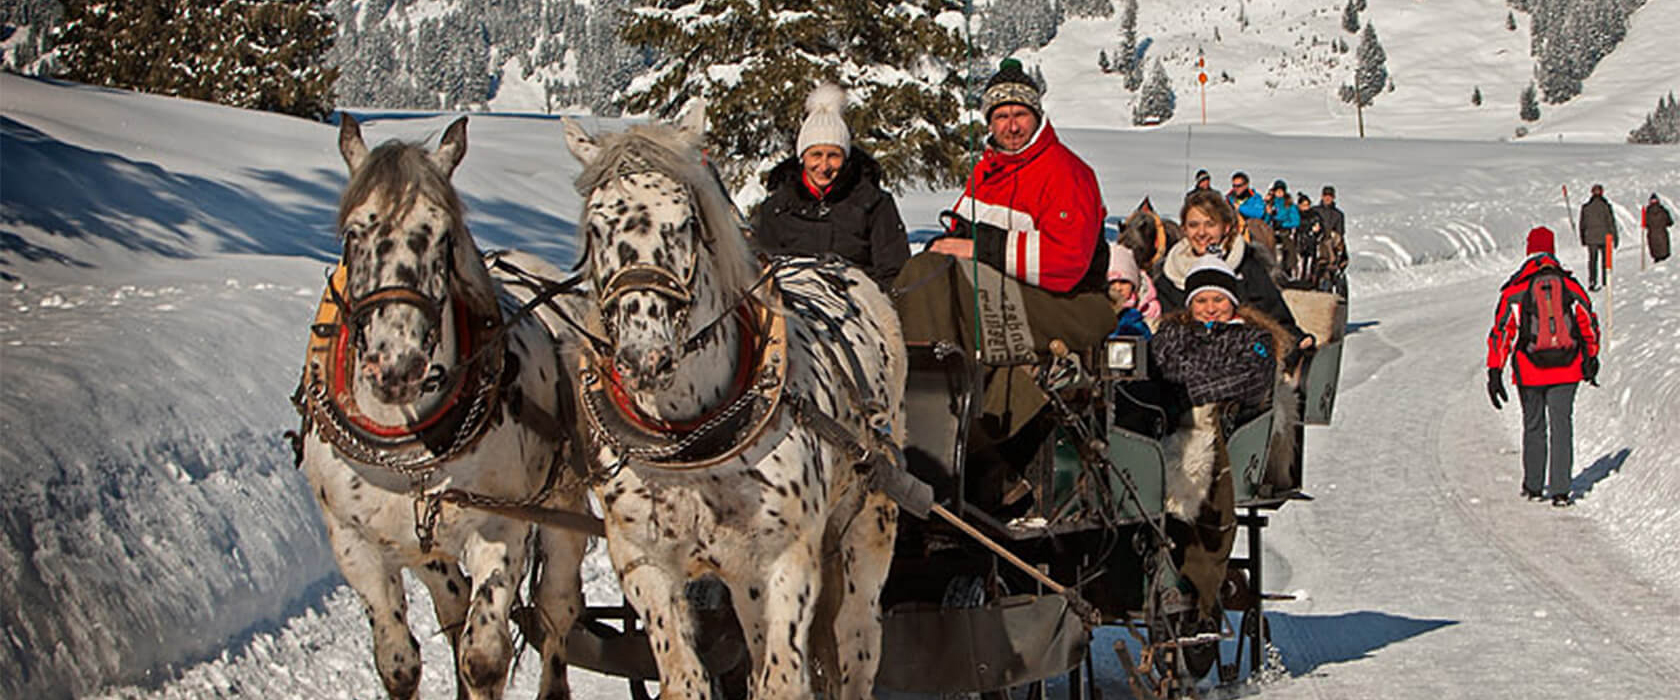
(1601,469)
(72,193)
(1310,641)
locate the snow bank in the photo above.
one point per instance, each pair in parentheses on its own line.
(1627,444)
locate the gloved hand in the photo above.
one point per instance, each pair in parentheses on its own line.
(1589,370)
(1496,389)
(959,227)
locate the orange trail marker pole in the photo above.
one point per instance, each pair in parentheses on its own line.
(1610,290)
(1201,78)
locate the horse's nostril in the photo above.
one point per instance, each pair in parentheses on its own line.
(412,369)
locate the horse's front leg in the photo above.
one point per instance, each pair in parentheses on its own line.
(443,579)
(396,654)
(866,549)
(660,597)
(789,605)
(495,560)
(559,600)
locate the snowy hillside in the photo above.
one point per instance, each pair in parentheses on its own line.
(1284,76)
(161,259)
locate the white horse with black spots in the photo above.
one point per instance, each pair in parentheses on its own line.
(415,391)
(705,397)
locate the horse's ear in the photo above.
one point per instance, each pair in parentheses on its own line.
(692,122)
(578,141)
(453,148)
(350,144)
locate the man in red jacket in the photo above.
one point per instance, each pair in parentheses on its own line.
(1032,208)
(1031,215)
(1545,324)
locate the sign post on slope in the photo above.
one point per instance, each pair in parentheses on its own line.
(1567,210)
(1201,79)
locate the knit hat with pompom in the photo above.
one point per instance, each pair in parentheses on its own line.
(823,124)
(1011,85)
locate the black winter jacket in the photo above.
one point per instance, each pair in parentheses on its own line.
(1331,218)
(1597,220)
(856,220)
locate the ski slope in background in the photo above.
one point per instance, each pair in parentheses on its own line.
(161,259)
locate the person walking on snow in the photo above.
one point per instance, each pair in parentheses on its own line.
(1656,221)
(1545,324)
(1598,221)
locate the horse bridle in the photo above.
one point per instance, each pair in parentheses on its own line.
(358,309)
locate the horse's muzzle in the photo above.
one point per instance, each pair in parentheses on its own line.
(645,369)
(396,381)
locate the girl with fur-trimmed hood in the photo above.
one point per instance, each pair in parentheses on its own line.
(1226,356)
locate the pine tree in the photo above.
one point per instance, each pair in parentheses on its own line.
(36,19)
(1510,22)
(755,61)
(257,54)
(1570,37)
(1125,58)
(1157,101)
(1007,26)
(1372,75)
(1661,126)
(1088,8)
(1350,18)
(1102,61)
(1476,96)
(1529,105)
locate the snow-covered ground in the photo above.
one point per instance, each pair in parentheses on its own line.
(161,259)
(1284,77)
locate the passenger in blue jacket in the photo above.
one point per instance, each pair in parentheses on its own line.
(1280,211)
(1247,202)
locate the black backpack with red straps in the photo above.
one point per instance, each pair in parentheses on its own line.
(1548,335)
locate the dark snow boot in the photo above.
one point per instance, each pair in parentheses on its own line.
(1532,495)
(1561,500)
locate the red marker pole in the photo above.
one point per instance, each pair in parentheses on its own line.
(1201,77)
(1609,289)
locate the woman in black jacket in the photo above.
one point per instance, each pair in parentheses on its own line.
(828,198)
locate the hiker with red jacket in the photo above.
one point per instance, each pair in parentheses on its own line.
(1545,324)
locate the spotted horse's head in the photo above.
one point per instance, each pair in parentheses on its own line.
(663,245)
(406,252)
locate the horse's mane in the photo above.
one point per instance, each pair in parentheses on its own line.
(400,167)
(406,173)
(662,148)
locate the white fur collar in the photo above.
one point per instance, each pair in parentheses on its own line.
(1181,259)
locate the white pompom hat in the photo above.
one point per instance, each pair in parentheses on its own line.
(823,123)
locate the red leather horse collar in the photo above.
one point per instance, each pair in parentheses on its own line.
(722,432)
(326,396)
